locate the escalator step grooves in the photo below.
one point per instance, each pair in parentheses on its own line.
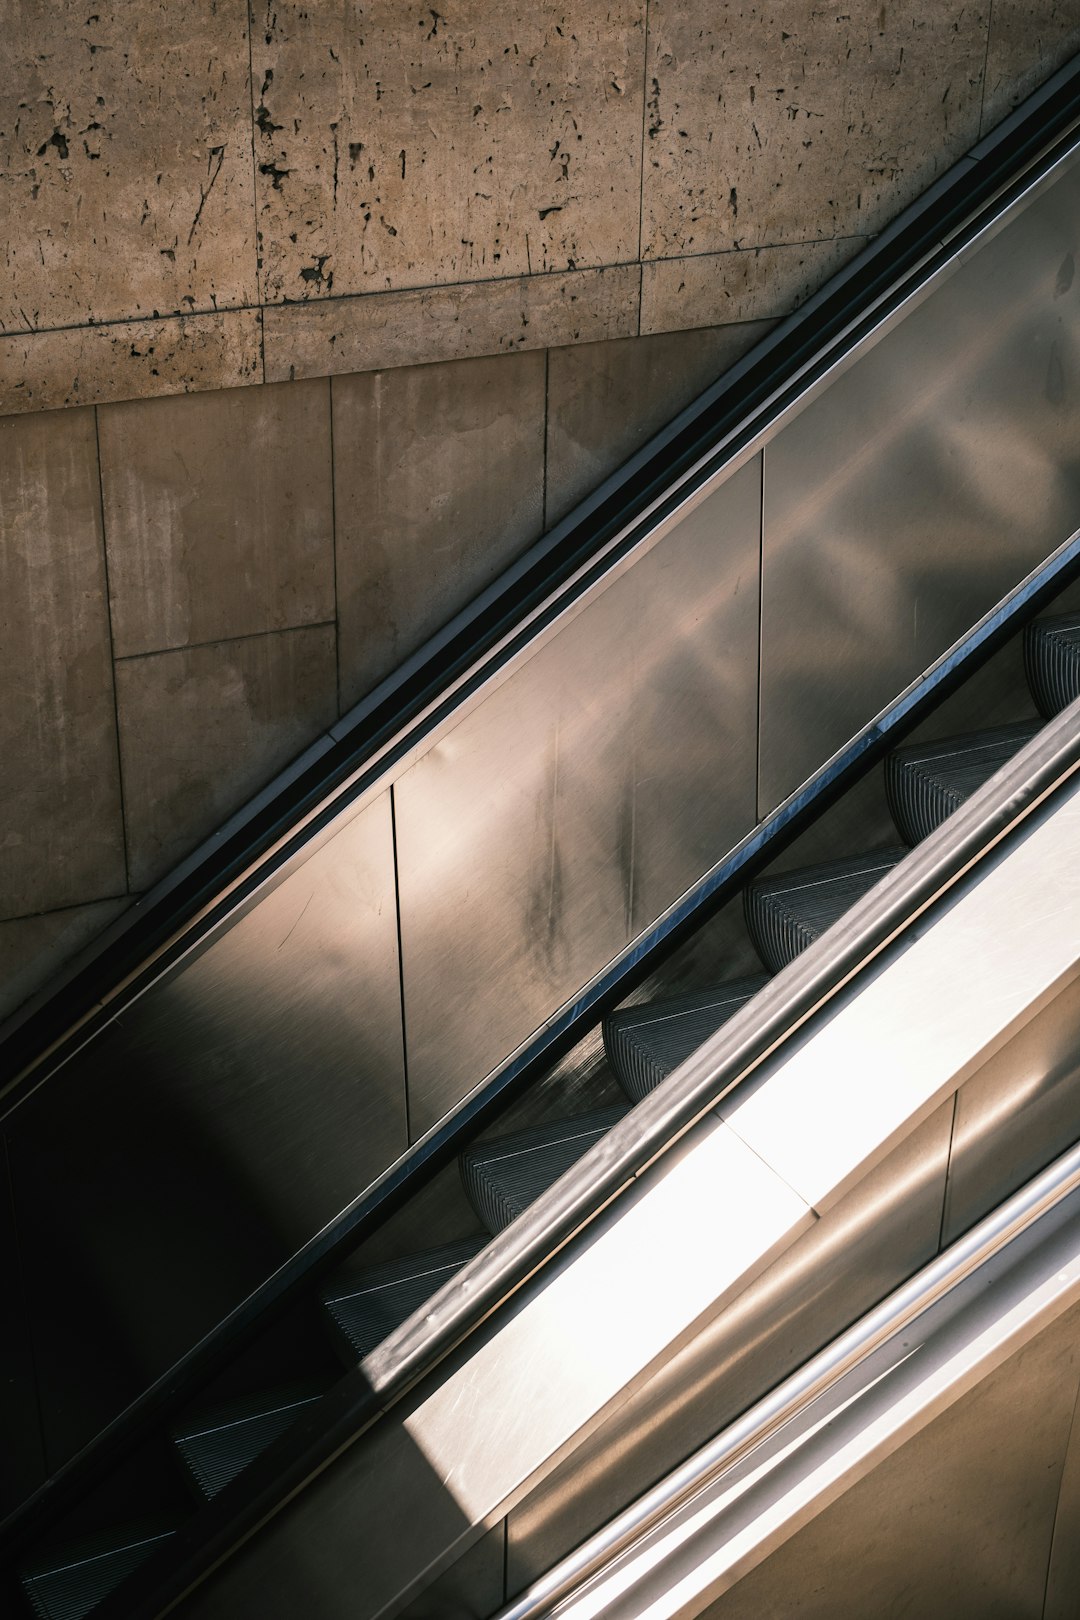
(503,1177)
(785,914)
(217,1444)
(365,1308)
(644,1044)
(80,1576)
(1052,662)
(927,782)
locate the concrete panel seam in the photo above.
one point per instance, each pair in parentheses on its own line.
(112,652)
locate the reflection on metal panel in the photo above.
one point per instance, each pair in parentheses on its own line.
(927,479)
(956,1525)
(869,1244)
(580,799)
(246,1100)
(1016,1114)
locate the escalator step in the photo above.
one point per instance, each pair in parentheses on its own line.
(503,1177)
(644,1044)
(217,1444)
(927,782)
(785,914)
(78,1577)
(1052,662)
(366,1307)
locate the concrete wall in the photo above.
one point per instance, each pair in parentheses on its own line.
(276,190)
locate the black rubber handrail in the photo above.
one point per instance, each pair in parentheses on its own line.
(409,704)
(930,877)
(994,179)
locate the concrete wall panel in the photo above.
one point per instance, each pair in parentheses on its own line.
(771,123)
(606,399)
(88,365)
(399,146)
(61,835)
(751,284)
(439,481)
(485,165)
(1029,40)
(218,515)
(416,327)
(202,728)
(128,161)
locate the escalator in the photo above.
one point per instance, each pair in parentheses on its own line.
(440,975)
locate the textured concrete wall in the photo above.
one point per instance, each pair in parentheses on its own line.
(191,588)
(282,190)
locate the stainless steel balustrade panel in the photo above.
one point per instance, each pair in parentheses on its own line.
(915,490)
(956,1525)
(870,1243)
(581,798)
(1018,1113)
(213,1128)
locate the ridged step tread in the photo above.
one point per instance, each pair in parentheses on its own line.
(367,1306)
(218,1443)
(71,1582)
(785,914)
(928,781)
(504,1176)
(644,1044)
(1052,662)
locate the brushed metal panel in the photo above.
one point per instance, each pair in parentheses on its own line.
(1063,1574)
(956,1525)
(849,1260)
(215,1126)
(1016,1114)
(923,483)
(472,1589)
(579,799)
(694,638)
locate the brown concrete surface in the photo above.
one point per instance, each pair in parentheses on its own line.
(750,284)
(413,148)
(439,485)
(83,365)
(61,833)
(202,728)
(218,515)
(393,185)
(127,161)
(782,123)
(429,324)
(606,399)
(1029,40)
